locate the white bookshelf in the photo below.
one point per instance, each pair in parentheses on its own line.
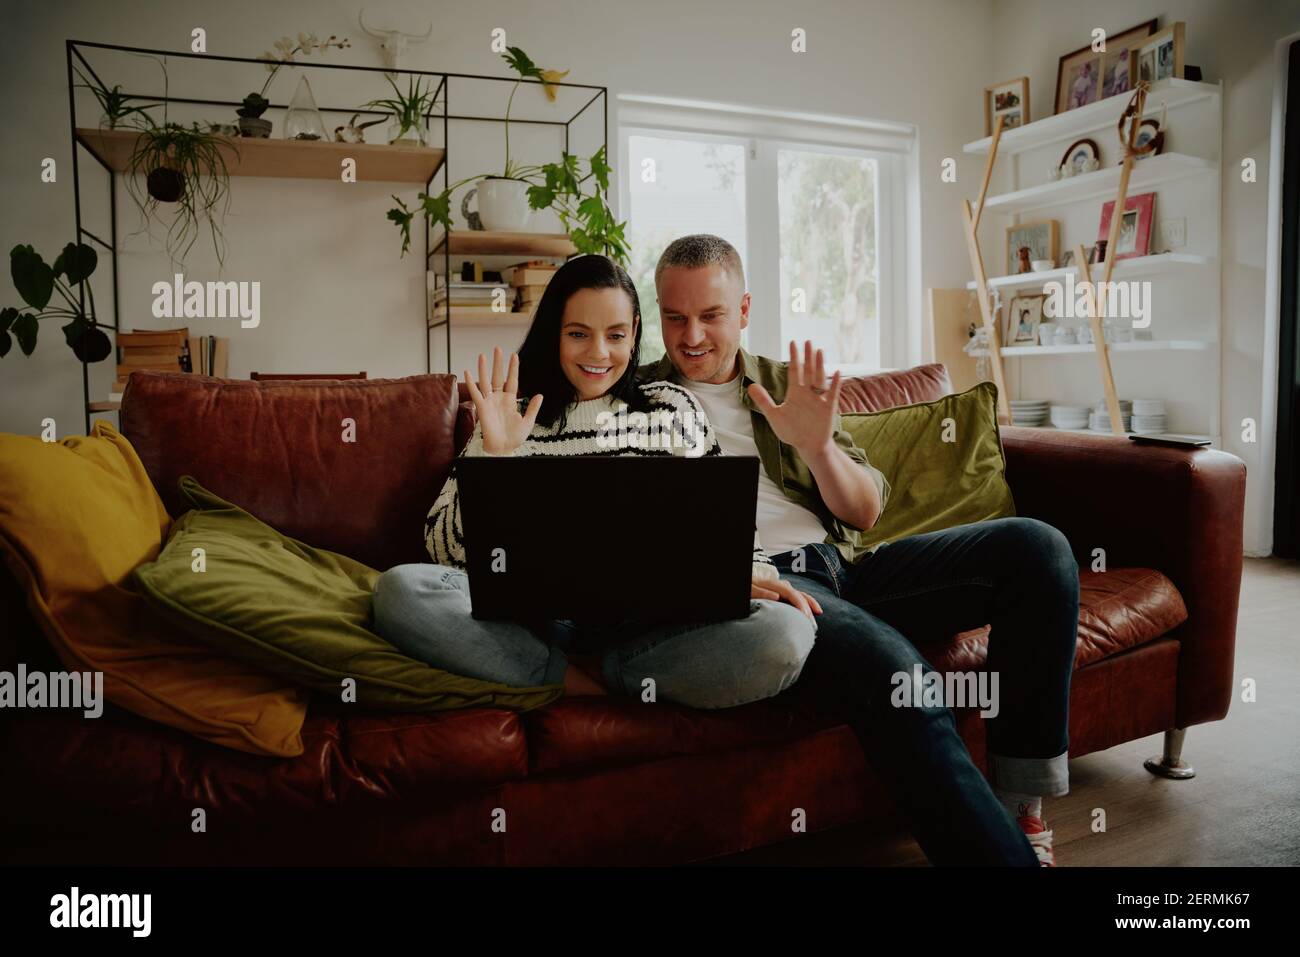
(1137,345)
(1135,268)
(1180,362)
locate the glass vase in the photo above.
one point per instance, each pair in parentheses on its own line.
(303,120)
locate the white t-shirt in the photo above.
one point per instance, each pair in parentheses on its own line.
(782,524)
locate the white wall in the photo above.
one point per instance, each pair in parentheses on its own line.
(335,295)
(1232,41)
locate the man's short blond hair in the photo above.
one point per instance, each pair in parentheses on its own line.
(701,249)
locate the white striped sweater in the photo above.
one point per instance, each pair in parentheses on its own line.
(674,425)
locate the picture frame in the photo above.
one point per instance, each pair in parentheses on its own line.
(1024,315)
(1149,132)
(1078,154)
(1043,237)
(1134,238)
(1160,56)
(1089,76)
(1008,99)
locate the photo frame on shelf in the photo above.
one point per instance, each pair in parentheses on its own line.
(1160,56)
(1134,238)
(1041,236)
(1083,156)
(1149,131)
(1024,315)
(1009,100)
(1088,76)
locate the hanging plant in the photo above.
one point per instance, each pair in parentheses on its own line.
(37,282)
(183,166)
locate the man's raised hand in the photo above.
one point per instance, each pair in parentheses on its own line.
(806,418)
(495,401)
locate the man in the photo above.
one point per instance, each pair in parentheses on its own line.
(817,492)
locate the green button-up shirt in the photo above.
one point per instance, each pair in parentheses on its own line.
(780,461)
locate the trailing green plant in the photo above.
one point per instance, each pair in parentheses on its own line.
(117,106)
(407,109)
(37,282)
(185,166)
(586,217)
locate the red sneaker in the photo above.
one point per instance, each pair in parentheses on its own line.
(1040,839)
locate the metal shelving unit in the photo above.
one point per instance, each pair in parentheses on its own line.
(294,159)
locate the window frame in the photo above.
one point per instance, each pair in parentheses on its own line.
(763,133)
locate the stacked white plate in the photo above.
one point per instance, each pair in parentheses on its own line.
(1148,416)
(1070,416)
(1029,411)
(1099,421)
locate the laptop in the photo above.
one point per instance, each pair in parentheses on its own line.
(603,539)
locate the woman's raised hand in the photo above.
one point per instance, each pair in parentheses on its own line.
(504,427)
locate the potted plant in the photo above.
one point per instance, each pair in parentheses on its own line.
(117,106)
(408,111)
(586,217)
(37,282)
(185,166)
(255,104)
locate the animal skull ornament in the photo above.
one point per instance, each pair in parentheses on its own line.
(392,43)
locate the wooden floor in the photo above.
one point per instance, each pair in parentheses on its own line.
(1241,809)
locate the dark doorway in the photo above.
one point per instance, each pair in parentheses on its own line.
(1286,509)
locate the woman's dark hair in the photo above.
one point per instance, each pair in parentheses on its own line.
(539,356)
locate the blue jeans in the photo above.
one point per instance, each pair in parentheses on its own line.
(424,610)
(1017,575)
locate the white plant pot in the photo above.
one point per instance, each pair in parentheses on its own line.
(503,205)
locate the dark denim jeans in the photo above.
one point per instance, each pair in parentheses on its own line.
(1017,575)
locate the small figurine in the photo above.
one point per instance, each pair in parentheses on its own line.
(351,133)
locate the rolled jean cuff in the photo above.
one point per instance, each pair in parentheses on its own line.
(1042,777)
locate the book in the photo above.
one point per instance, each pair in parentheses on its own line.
(531,276)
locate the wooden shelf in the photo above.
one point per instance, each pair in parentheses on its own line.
(289,159)
(1135,266)
(1102,115)
(1154,171)
(483,242)
(461,318)
(103,406)
(1137,345)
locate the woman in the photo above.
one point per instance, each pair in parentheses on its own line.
(578,361)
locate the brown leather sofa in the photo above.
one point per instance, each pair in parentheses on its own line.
(583,780)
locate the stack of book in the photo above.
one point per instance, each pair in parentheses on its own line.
(164,350)
(529,280)
(469,298)
(167,350)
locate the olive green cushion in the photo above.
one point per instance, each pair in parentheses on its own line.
(300,612)
(936,484)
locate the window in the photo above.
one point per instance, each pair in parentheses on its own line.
(814,205)
(681,185)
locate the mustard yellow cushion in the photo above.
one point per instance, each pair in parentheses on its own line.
(76,517)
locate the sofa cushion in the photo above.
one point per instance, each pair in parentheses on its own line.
(943,460)
(299,612)
(1118,610)
(885,390)
(348,465)
(75,518)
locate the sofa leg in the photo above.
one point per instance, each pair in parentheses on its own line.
(1170,764)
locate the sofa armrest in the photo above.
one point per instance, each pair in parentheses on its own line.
(1179,511)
